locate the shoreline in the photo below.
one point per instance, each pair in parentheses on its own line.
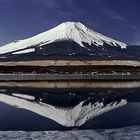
(127,133)
(63,77)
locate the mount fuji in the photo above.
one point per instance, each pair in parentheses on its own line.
(66,41)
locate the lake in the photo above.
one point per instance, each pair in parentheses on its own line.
(66,105)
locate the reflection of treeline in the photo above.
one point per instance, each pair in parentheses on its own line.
(72,97)
(71,69)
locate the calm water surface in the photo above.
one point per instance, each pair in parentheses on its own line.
(69,105)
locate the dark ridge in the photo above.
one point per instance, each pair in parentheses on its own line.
(69,50)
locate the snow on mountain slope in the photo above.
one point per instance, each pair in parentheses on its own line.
(69,117)
(67,31)
(25,51)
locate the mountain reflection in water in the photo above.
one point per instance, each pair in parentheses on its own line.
(94,106)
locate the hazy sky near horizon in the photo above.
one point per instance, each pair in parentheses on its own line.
(119,19)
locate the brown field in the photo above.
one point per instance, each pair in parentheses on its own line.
(72,63)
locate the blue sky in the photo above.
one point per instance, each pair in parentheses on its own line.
(118,19)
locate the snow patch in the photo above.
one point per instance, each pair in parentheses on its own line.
(24,51)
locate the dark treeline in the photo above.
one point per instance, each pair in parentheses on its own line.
(70,69)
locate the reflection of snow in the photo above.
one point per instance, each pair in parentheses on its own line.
(75,116)
(24,96)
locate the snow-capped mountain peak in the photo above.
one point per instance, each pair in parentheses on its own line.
(80,34)
(67,31)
